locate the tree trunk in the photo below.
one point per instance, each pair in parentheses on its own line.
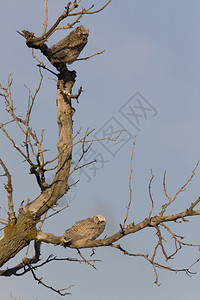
(19,235)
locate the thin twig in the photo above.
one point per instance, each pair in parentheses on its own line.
(182,189)
(88,57)
(150,194)
(175,237)
(85,260)
(57,212)
(192,206)
(156,265)
(130,188)
(39,280)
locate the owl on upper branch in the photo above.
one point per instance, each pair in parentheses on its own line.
(69,48)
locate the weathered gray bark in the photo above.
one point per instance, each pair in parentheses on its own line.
(59,186)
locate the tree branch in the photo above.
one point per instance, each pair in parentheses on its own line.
(9,189)
(61,292)
(46,17)
(182,189)
(88,57)
(130,188)
(129,229)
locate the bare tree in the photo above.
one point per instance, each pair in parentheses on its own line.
(25,226)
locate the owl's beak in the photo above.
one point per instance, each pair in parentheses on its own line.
(86,32)
(103,221)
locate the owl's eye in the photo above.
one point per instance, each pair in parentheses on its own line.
(96,218)
(79,30)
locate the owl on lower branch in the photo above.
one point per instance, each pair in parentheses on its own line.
(83,231)
(68,49)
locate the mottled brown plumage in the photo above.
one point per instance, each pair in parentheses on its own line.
(69,48)
(83,231)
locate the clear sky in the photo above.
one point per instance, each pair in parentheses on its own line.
(152,59)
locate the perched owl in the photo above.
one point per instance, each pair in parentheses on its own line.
(69,48)
(83,231)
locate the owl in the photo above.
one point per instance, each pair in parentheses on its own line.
(83,231)
(69,48)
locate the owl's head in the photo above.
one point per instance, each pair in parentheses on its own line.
(99,219)
(81,31)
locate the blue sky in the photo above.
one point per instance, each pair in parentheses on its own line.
(152,47)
